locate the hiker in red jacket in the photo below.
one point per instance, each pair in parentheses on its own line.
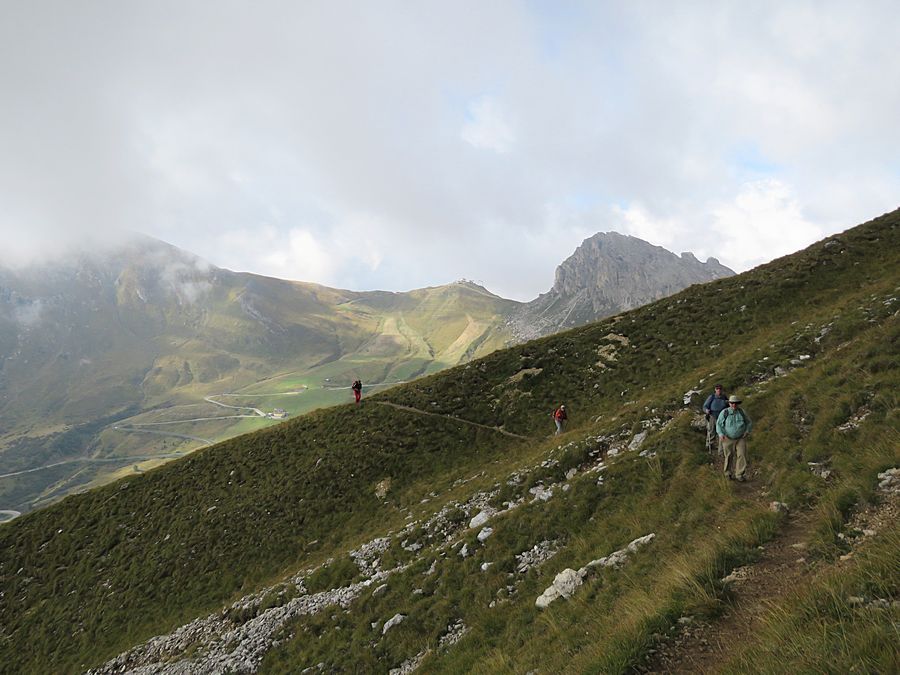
(357,390)
(560,417)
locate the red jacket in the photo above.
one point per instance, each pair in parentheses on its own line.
(560,414)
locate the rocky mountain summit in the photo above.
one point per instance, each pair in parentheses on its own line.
(610,273)
(441,526)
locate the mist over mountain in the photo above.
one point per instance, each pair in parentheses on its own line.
(610,273)
(111,360)
(440,526)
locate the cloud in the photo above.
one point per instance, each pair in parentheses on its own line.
(761,221)
(396,146)
(764,221)
(28,314)
(487,127)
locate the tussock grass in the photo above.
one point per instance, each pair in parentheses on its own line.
(817,629)
(143,555)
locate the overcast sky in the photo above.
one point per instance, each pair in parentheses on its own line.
(394,145)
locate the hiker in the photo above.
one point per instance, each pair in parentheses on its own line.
(560,417)
(733,426)
(357,389)
(714,404)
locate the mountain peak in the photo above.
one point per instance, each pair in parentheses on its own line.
(607,274)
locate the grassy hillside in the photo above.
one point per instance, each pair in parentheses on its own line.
(811,343)
(105,364)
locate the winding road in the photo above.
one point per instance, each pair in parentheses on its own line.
(8,514)
(95,460)
(210,399)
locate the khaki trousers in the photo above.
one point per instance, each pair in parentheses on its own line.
(712,436)
(735,450)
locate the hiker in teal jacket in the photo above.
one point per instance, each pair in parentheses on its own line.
(733,426)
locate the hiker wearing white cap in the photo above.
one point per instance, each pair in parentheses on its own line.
(560,417)
(733,426)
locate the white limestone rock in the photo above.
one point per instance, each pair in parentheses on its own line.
(688,395)
(637,441)
(541,493)
(393,621)
(889,481)
(567,582)
(481,518)
(564,586)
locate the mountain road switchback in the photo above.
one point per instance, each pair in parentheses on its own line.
(100,460)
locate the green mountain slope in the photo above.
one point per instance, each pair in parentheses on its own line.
(316,535)
(106,362)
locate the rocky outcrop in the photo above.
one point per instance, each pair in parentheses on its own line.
(567,582)
(610,273)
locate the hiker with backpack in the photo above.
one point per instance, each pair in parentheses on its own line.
(357,389)
(733,426)
(560,417)
(713,406)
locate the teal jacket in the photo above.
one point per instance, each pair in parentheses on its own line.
(733,424)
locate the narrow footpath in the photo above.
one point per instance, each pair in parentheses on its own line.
(450,417)
(754,591)
(703,647)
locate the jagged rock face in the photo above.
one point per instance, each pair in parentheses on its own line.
(610,273)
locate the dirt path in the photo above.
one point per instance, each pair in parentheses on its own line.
(703,647)
(366,386)
(450,417)
(755,589)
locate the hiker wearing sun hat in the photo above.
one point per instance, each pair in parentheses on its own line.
(733,426)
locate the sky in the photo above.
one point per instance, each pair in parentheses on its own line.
(396,145)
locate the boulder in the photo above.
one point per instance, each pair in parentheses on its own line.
(393,621)
(564,586)
(480,519)
(637,441)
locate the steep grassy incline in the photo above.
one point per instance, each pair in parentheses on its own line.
(90,353)
(669,344)
(143,553)
(85,579)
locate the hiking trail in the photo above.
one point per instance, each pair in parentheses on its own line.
(703,646)
(451,417)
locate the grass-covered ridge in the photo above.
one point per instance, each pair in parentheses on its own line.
(114,377)
(87,578)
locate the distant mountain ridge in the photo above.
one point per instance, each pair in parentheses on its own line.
(441,526)
(610,273)
(108,358)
